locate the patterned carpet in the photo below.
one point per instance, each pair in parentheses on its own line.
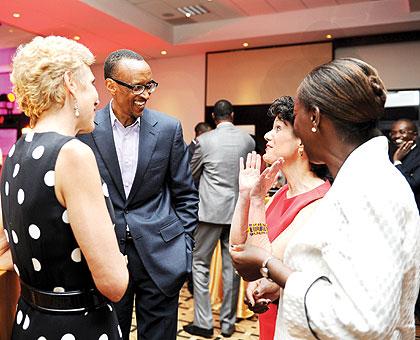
(245,329)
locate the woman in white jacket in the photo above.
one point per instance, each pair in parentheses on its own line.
(353,271)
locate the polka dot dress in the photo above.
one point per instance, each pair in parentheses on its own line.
(45,253)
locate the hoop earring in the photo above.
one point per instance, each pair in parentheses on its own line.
(313,129)
(76,109)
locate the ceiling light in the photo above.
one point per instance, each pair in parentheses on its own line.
(16,15)
(245,44)
(189,11)
(76,37)
(163,52)
(328,36)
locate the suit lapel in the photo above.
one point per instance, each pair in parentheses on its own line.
(104,140)
(147,142)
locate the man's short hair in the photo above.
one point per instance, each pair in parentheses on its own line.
(222,109)
(202,127)
(112,60)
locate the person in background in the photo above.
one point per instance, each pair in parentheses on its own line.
(288,209)
(352,271)
(199,129)
(142,157)
(215,163)
(54,206)
(406,159)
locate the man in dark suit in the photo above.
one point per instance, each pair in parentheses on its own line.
(406,159)
(199,129)
(142,158)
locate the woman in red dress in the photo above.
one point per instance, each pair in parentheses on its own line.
(288,208)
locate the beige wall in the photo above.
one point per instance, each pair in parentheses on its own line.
(180,92)
(250,77)
(398,64)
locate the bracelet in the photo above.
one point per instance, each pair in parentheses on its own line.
(257,229)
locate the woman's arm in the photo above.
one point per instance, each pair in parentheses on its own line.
(6,262)
(78,188)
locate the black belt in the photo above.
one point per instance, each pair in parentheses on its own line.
(66,302)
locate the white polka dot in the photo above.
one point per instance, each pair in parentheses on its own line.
(19,317)
(16,269)
(15,237)
(49,178)
(6,188)
(65,217)
(103,337)
(109,306)
(119,331)
(34,231)
(38,152)
(76,255)
(68,336)
(59,290)
(7,235)
(16,170)
(26,323)
(20,196)
(12,151)
(105,190)
(36,264)
(29,137)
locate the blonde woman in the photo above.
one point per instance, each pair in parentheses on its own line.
(54,206)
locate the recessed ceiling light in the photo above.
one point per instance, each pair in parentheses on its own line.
(245,44)
(328,36)
(16,15)
(76,37)
(163,52)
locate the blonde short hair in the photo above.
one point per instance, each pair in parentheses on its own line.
(38,72)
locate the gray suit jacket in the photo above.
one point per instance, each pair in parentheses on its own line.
(216,164)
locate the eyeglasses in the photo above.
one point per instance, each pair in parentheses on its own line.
(138,89)
(401,132)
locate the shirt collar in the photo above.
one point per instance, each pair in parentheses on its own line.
(370,152)
(115,121)
(223,124)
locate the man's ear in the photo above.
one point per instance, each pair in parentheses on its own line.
(110,86)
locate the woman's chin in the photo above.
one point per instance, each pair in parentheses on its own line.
(266,158)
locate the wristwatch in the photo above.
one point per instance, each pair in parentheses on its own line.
(264,270)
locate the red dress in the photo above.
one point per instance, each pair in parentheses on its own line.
(280,213)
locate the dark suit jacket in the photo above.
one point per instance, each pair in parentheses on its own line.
(161,209)
(410,168)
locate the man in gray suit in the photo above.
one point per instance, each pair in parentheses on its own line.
(215,163)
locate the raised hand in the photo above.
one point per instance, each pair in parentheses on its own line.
(266,180)
(249,173)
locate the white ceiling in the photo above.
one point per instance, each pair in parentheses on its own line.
(149,26)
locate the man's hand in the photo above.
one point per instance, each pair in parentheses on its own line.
(403,149)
